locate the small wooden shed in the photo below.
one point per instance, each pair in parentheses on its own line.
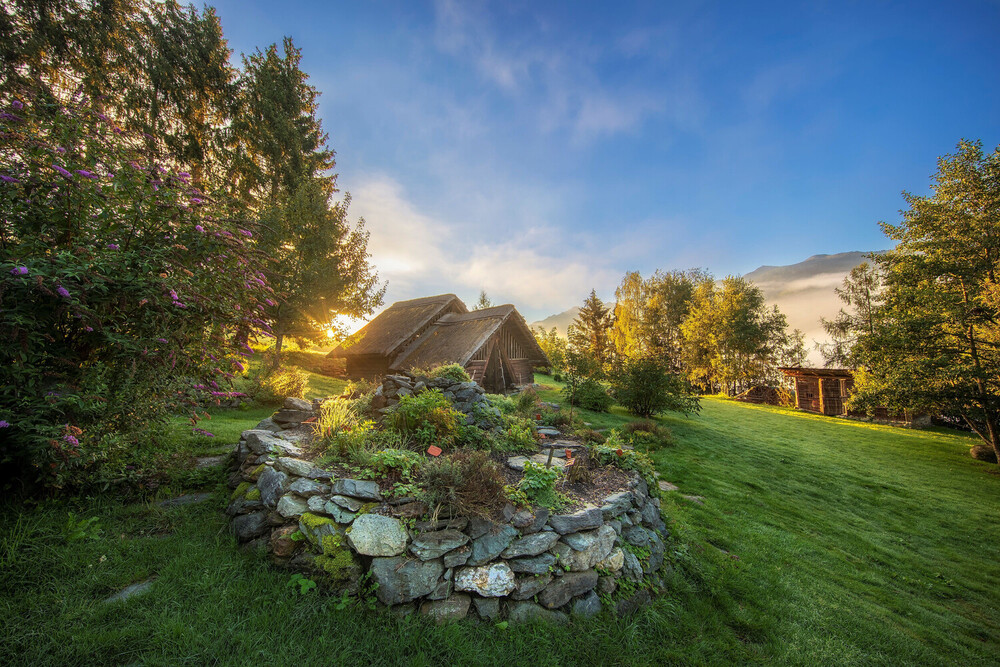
(494,345)
(821,390)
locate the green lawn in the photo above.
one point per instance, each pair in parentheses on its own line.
(821,541)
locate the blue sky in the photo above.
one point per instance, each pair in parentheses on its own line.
(537,150)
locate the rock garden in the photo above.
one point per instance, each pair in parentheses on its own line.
(430,496)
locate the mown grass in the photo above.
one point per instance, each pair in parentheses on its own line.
(820,541)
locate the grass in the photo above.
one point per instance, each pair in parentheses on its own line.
(821,541)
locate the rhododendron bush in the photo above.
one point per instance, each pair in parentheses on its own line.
(121,289)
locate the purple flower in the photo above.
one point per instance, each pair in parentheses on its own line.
(4,115)
(19,271)
(71,439)
(102,117)
(4,423)
(112,246)
(62,171)
(179,304)
(17,105)
(201,431)
(184,176)
(173,295)
(199,228)
(8,179)
(60,150)
(245,233)
(134,164)
(162,340)
(63,292)
(239,366)
(86,174)
(196,200)
(88,329)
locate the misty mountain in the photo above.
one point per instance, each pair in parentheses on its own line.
(804,292)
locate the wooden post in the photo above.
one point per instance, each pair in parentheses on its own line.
(822,406)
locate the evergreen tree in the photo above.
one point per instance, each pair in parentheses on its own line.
(484,301)
(589,330)
(861,292)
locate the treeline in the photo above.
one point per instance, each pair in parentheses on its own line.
(719,336)
(159,207)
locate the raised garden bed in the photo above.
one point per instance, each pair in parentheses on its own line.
(451,535)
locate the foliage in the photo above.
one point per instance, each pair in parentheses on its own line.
(647,434)
(121,285)
(270,385)
(301,584)
(649,312)
(360,387)
(539,485)
(589,394)
(386,461)
(553,345)
(88,528)
(581,366)
(589,331)
(335,416)
(861,292)
(733,341)
(645,387)
(526,401)
(453,372)
(484,301)
(517,434)
(467,482)
(935,343)
(427,418)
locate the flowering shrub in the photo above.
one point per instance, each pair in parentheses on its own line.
(121,289)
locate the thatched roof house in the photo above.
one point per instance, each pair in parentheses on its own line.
(494,345)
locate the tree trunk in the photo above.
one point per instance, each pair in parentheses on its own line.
(279,339)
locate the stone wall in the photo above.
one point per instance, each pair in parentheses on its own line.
(466,397)
(529,564)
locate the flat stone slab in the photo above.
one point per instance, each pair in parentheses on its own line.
(376,535)
(518,462)
(697,500)
(667,486)
(131,591)
(549,432)
(186,499)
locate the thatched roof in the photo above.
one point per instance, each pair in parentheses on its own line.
(834,373)
(455,337)
(398,324)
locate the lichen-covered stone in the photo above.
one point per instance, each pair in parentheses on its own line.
(376,535)
(585,519)
(349,504)
(272,485)
(403,579)
(317,504)
(596,551)
(427,546)
(533,565)
(339,514)
(636,536)
(308,488)
(567,587)
(442,590)
(488,546)
(614,561)
(357,488)
(491,581)
(292,403)
(291,506)
(651,517)
(317,528)
(531,545)
(477,527)
(530,586)
(452,609)
(631,568)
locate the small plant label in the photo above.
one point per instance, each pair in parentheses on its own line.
(434,450)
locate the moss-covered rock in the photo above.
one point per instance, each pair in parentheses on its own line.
(241,492)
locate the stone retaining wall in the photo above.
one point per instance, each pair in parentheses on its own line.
(531,564)
(466,397)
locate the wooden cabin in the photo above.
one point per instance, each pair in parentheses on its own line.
(494,345)
(821,390)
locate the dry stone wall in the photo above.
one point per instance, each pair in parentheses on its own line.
(530,565)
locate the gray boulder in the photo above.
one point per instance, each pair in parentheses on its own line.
(616,504)
(585,519)
(567,587)
(490,581)
(529,612)
(307,487)
(531,545)
(529,587)
(296,467)
(596,547)
(452,609)
(291,506)
(586,606)
(427,546)
(488,608)
(292,403)
(534,565)
(272,485)
(403,579)
(376,535)
(248,526)
(490,545)
(357,488)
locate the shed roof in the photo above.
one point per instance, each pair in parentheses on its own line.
(798,371)
(455,337)
(395,325)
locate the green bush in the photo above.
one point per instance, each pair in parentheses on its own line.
(270,386)
(427,418)
(646,387)
(516,435)
(647,434)
(589,394)
(450,371)
(539,485)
